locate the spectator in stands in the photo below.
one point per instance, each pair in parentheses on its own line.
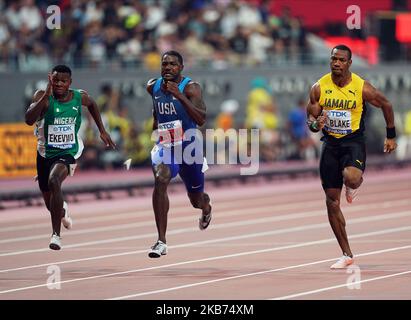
(225,121)
(404,141)
(262,114)
(300,135)
(99,33)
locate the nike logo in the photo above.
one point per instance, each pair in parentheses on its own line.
(351,92)
(196,187)
(75,108)
(157,97)
(174,98)
(360,162)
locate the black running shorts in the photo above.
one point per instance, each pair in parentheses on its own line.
(337,156)
(44,166)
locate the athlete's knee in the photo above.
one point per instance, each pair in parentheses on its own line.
(162,177)
(352,178)
(54,183)
(333,205)
(353,181)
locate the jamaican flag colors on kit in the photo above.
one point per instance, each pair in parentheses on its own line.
(344,106)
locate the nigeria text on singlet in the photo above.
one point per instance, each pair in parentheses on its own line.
(57,130)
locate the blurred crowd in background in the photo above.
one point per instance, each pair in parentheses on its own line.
(124,33)
(217,34)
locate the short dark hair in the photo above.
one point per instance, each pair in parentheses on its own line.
(62,68)
(175,54)
(344,48)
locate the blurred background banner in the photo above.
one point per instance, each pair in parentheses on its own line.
(17,150)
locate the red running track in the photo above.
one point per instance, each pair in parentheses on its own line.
(266,241)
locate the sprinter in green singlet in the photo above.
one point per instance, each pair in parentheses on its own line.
(56,112)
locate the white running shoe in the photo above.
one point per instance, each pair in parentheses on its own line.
(66,220)
(55,242)
(159,249)
(342,263)
(350,194)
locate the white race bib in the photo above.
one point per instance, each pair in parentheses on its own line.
(338,121)
(61,136)
(170,133)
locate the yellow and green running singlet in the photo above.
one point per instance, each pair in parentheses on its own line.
(344,106)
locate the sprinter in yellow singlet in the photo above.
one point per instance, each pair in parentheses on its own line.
(337,106)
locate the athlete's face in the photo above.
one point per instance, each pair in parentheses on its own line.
(340,62)
(61,83)
(171,68)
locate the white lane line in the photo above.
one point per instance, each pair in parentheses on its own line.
(151,222)
(290,216)
(146,293)
(225,226)
(304,244)
(182,207)
(223,204)
(301,294)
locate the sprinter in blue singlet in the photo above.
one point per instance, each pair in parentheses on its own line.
(178,108)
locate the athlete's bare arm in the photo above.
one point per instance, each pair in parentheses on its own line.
(39,103)
(91,105)
(150,85)
(191,99)
(377,99)
(315,117)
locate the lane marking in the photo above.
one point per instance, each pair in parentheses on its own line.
(340,286)
(304,244)
(249,275)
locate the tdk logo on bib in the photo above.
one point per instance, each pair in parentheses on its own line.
(168,125)
(338,122)
(333,113)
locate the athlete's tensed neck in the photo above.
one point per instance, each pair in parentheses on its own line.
(65,97)
(341,80)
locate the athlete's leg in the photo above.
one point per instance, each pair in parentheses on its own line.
(161,204)
(200,200)
(352,177)
(58,173)
(193,178)
(353,162)
(336,219)
(46,198)
(332,182)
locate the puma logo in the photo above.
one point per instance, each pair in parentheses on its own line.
(75,108)
(360,162)
(353,92)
